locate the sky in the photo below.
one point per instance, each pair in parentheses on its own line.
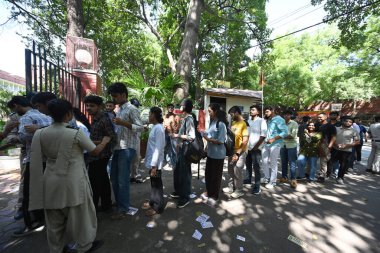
(284,16)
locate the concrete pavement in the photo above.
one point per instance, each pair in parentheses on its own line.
(322,217)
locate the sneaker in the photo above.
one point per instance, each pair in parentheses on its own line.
(264,180)
(340,180)
(237,194)
(174,195)
(256,190)
(27,231)
(247,181)
(211,202)
(204,196)
(270,185)
(321,179)
(119,216)
(228,190)
(182,204)
(293,184)
(283,180)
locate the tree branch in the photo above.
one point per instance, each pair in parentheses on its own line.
(30,15)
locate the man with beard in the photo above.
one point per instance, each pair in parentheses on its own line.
(276,132)
(257,133)
(97,165)
(237,160)
(346,139)
(328,131)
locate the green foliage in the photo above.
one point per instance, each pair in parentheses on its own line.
(308,68)
(352,24)
(5,96)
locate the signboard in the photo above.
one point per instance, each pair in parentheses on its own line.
(336,107)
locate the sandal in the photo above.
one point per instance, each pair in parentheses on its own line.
(150,212)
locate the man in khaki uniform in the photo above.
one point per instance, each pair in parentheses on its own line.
(63,189)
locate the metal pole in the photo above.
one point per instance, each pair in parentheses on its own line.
(28,70)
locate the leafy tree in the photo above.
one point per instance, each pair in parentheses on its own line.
(352,17)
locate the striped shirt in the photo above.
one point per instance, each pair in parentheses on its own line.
(128,138)
(31,117)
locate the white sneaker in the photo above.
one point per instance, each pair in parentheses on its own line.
(211,202)
(228,190)
(204,197)
(264,180)
(270,185)
(237,193)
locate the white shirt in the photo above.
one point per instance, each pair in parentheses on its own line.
(155,149)
(257,128)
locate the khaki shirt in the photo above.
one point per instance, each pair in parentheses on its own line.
(64,182)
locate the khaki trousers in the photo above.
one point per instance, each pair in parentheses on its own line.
(77,224)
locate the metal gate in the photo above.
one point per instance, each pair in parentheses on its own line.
(42,74)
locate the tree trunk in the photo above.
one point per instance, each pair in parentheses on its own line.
(198,75)
(75,18)
(185,61)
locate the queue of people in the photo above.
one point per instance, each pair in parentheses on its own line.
(65,182)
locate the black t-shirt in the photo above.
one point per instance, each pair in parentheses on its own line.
(328,131)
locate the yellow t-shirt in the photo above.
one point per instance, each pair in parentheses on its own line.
(239,128)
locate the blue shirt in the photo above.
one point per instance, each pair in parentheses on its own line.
(276,127)
(216,151)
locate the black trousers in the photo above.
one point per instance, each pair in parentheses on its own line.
(213,176)
(100,183)
(35,217)
(157,200)
(358,150)
(344,160)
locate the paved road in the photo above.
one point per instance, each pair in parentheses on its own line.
(323,218)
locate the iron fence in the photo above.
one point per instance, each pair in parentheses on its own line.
(42,74)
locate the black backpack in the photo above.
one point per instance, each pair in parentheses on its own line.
(230,141)
(194,150)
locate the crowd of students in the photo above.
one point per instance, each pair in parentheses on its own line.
(67,174)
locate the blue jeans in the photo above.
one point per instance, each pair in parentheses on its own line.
(288,156)
(312,161)
(120,176)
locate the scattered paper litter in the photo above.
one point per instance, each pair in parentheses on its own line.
(315,237)
(197,235)
(165,196)
(132,210)
(192,196)
(241,238)
(241,249)
(207,224)
(201,245)
(202,218)
(298,241)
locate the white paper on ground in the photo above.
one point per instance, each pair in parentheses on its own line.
(197,235)
(241,249)
(132,210)
(207,224)
(241,238)
(298,241)
(202,218)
